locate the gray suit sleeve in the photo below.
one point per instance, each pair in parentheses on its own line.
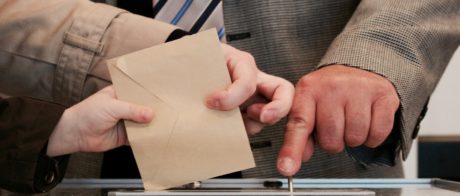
(408,42)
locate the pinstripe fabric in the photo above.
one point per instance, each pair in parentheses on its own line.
(410,45)
(409,42)
(192,16)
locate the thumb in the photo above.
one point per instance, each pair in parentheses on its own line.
(129,111)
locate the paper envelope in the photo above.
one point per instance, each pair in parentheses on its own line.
(186,141)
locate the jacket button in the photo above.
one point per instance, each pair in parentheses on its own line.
(49,178)
(419,119)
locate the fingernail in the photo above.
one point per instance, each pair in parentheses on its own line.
(216,104)
(213,103)
(146,114)
(268,116)
(286,165)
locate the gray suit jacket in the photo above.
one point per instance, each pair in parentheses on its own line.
(59,54)
(408,42)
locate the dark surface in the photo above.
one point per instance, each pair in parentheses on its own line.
(439,159)
(141,7)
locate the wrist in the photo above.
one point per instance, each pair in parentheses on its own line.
(63,140)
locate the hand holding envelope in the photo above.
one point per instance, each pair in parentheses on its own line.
(186,141)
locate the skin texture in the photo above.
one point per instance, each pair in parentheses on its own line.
(94,125)
(345,106)
(264,99)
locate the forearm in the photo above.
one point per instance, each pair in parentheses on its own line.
(63,46)
(63,139)
(409,43)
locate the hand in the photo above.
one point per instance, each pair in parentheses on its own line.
(265,98)
(345,105)
(94,125)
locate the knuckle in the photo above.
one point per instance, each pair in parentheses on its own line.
(396,102)
(388,104)
(334,81)
(296,122)
(133,110)
(356,131)
(354,139)
(386,89)
(225,101)
(254,128)
(248,89)
(248,56)
(304,82)
(379,135)
(332,146)
(330,125)
(329,137)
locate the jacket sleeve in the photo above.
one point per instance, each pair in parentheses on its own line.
(25,126)
(408,42)
(56,50)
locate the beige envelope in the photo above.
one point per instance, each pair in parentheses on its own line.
(186,141)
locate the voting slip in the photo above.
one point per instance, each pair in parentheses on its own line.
(186,141)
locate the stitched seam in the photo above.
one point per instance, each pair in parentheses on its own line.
(83,43)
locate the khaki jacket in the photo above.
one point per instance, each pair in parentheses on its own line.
(55,51)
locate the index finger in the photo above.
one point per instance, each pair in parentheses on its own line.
(243,72)
(298,130)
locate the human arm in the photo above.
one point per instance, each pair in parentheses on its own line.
(69,68)
(408,44)
(38,58)
(36,136)
(56,50)
(94,125)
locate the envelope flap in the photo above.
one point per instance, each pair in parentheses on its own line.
(180,70)
(147,140)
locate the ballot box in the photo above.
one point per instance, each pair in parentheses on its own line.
(132,187)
